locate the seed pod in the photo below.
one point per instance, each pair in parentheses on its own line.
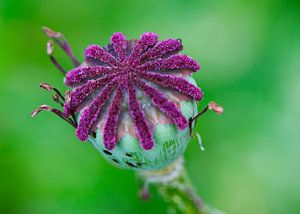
(133,99)
(136,97)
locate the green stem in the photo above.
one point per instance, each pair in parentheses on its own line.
(175,188)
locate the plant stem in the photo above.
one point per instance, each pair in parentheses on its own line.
(174,186)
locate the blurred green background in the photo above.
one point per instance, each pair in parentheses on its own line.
(250,57)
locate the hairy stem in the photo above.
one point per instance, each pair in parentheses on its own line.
(174,186)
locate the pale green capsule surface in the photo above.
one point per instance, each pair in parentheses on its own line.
(170,143)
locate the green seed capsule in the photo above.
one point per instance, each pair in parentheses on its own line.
(170,143)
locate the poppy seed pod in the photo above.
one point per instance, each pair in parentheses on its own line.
(134,99)
(137,97)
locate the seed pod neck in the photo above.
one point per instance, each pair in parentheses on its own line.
(173,184)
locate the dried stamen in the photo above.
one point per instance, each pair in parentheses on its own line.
(49,87)
(212,106)
(62,42)
(216,108)
(55,111)
(67,102)
(56,99)
(52,58)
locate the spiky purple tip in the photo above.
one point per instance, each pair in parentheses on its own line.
(121,68)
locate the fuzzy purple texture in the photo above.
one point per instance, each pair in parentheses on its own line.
(163,48)
(146,41)
(166,106)
(178,83)
(119,43)
(97,52)
(78,75)
(111,124)
(79,94)
(123,66)
(139,119)
(173,62)
(90,114)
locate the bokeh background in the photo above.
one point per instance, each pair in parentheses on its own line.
(250,57)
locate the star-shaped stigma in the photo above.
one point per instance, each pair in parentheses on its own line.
(118,71)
